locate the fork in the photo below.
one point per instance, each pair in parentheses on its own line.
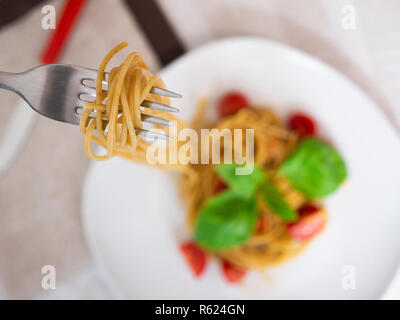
(59,92)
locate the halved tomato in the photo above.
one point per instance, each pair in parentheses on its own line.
(303,124)
(195,257)
(311,220)
(232,273)
(231,102)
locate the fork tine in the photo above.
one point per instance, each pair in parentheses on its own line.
(154,90)
(157,120)
(151,135)
(145,104)
(164,92)
(145,118)
(143,133)
(158,106)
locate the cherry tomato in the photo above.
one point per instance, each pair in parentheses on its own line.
(231,102)
(311,221)
(232,273)
(219,186)
(303,124)
(195,257)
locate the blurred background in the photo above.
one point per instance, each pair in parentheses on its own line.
(40,191)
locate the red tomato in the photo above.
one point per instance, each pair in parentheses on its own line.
(307,209)
(219,186)
(260,224)
(311,221)
(231,103)
(232,273)
(195,257)
(303,124)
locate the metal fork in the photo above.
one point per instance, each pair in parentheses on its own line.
(59,92)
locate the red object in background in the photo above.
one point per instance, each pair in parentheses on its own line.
(195,257)
(311,221)
(219,186)
(303,124)
(59,36)
(232,273)
(231,103)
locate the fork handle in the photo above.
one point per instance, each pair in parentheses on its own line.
(10,81)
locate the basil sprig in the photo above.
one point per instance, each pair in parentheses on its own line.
(276,203)
(315,168)
(244,184)
(228,219)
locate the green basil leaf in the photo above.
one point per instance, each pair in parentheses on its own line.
(276,202)
(226,220)
(315,169)
(245,184)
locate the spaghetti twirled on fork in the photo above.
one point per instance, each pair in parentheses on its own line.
(117,111)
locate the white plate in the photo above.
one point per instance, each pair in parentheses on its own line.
(134,219)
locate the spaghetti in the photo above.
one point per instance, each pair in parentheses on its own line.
(117,111)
